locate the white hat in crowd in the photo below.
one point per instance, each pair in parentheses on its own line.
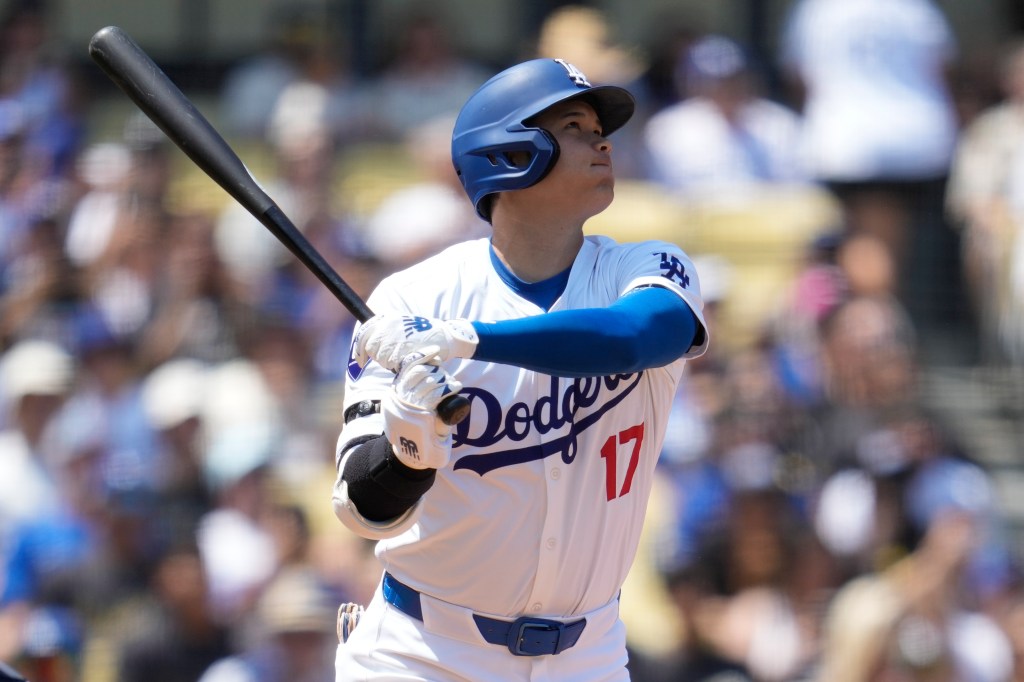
(35,367)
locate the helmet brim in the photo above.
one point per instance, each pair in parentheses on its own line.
(614,106)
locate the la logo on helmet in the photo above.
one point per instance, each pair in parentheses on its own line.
(575,74)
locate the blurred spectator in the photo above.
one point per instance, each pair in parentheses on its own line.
(945,481)
(87,554)
(869,371)
(880,128)
(583,36)
(35,378)
(252,86)
(671,34)
(42,291)
(743,437)
(891,55)
(839,269)
(699,490)
(745,601)
(104,169)
(244,431)
(172,397)
(817,289)
(986,199)
(695,659)
(171,634)
(426,75)
(283,357)
(34,76)
(198,309)
(151,162)
(106,413)
(112,237)
(297,640)
(26,193)
(236,547)
(428,215)
(53,645)
(767,582)
(910,621)
(303,150)
(869,360)
(900,476)
(724,140)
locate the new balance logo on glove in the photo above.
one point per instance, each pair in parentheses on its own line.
(415,324)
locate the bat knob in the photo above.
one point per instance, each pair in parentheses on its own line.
(453,409)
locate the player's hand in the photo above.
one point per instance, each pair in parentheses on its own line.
(420,440)
(388,339)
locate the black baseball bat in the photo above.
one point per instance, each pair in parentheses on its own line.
(160,99)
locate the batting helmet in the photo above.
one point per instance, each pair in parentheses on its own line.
(495,122)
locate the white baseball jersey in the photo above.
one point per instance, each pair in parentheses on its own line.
(541,508)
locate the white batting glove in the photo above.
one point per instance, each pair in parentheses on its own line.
(418,437)
(388,339)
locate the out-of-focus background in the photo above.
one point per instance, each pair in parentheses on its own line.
(841,494)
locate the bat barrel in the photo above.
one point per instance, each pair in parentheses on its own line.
(148,86)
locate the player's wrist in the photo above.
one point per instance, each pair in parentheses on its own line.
(418,438)
(463,338)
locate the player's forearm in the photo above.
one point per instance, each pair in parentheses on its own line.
(380,486)
(375,495)
(647,328)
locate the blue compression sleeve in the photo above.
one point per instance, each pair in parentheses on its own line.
(647,328)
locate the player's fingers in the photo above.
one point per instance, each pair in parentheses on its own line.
(425,355)
(359,343)
(422,383)
(430,386)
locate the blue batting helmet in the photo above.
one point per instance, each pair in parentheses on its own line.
(495,122)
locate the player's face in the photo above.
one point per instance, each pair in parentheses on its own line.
(582,177)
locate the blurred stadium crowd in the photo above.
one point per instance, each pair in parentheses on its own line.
(170,377)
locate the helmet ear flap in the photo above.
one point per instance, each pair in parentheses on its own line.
(555,151)
(496,160)
(543,158)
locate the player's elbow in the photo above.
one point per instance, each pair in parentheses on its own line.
(350,517)
(645,346)
(633,355)
(653,327)
(375,496)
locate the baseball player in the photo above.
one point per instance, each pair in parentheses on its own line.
(505,540)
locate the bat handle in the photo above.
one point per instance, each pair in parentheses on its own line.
(453,409)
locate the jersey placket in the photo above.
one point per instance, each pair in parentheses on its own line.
(551,535)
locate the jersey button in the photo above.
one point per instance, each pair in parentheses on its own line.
(556,473)
(551,543)
(536,607)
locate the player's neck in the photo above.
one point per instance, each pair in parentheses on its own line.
(534,254)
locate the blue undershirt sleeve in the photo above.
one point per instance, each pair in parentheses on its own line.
(648,327)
